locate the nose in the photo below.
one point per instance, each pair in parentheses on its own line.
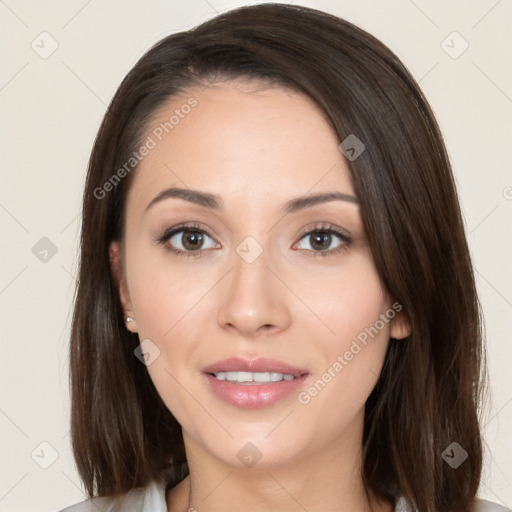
(253,300)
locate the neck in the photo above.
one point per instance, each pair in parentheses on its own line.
(328,480)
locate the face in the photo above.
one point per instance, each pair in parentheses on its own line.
(288,297)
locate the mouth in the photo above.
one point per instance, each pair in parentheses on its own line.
(253,378)
(253,383)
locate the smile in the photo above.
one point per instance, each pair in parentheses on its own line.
(253,378)
(248,383)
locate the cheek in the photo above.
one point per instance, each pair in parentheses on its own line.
(168,311)
(346,302)
(162,294)
(351,351)
(171,307)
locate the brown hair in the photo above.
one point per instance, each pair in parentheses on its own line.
(428,393)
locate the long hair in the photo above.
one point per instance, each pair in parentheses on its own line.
(429,391)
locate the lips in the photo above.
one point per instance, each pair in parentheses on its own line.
(252,395)
(259,365)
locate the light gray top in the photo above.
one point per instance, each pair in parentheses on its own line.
(152,499)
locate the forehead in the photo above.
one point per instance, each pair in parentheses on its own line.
(242,142)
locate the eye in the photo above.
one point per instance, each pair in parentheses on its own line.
(320,240)
(191,240)
(188,240)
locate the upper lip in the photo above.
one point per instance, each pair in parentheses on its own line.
(258,365)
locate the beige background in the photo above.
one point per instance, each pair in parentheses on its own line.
(51,109)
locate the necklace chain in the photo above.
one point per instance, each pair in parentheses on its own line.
(189,507)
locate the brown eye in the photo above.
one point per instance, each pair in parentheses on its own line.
(191,240)
(186,240)
(323,240)
(320,240)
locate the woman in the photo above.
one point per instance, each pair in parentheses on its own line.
(276,307)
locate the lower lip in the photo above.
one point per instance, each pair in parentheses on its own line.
(253,396)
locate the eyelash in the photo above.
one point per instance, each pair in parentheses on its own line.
(323,228)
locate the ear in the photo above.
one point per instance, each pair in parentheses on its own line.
(116,266)
(400,326)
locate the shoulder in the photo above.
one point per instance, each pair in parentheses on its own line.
(138,499)
(479,506)
(489,506)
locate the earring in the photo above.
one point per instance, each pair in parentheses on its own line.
(130,324)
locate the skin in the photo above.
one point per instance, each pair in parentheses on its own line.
(256,148)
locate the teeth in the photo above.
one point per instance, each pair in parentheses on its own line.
(253,377)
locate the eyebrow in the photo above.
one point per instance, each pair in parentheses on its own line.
(215,202)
